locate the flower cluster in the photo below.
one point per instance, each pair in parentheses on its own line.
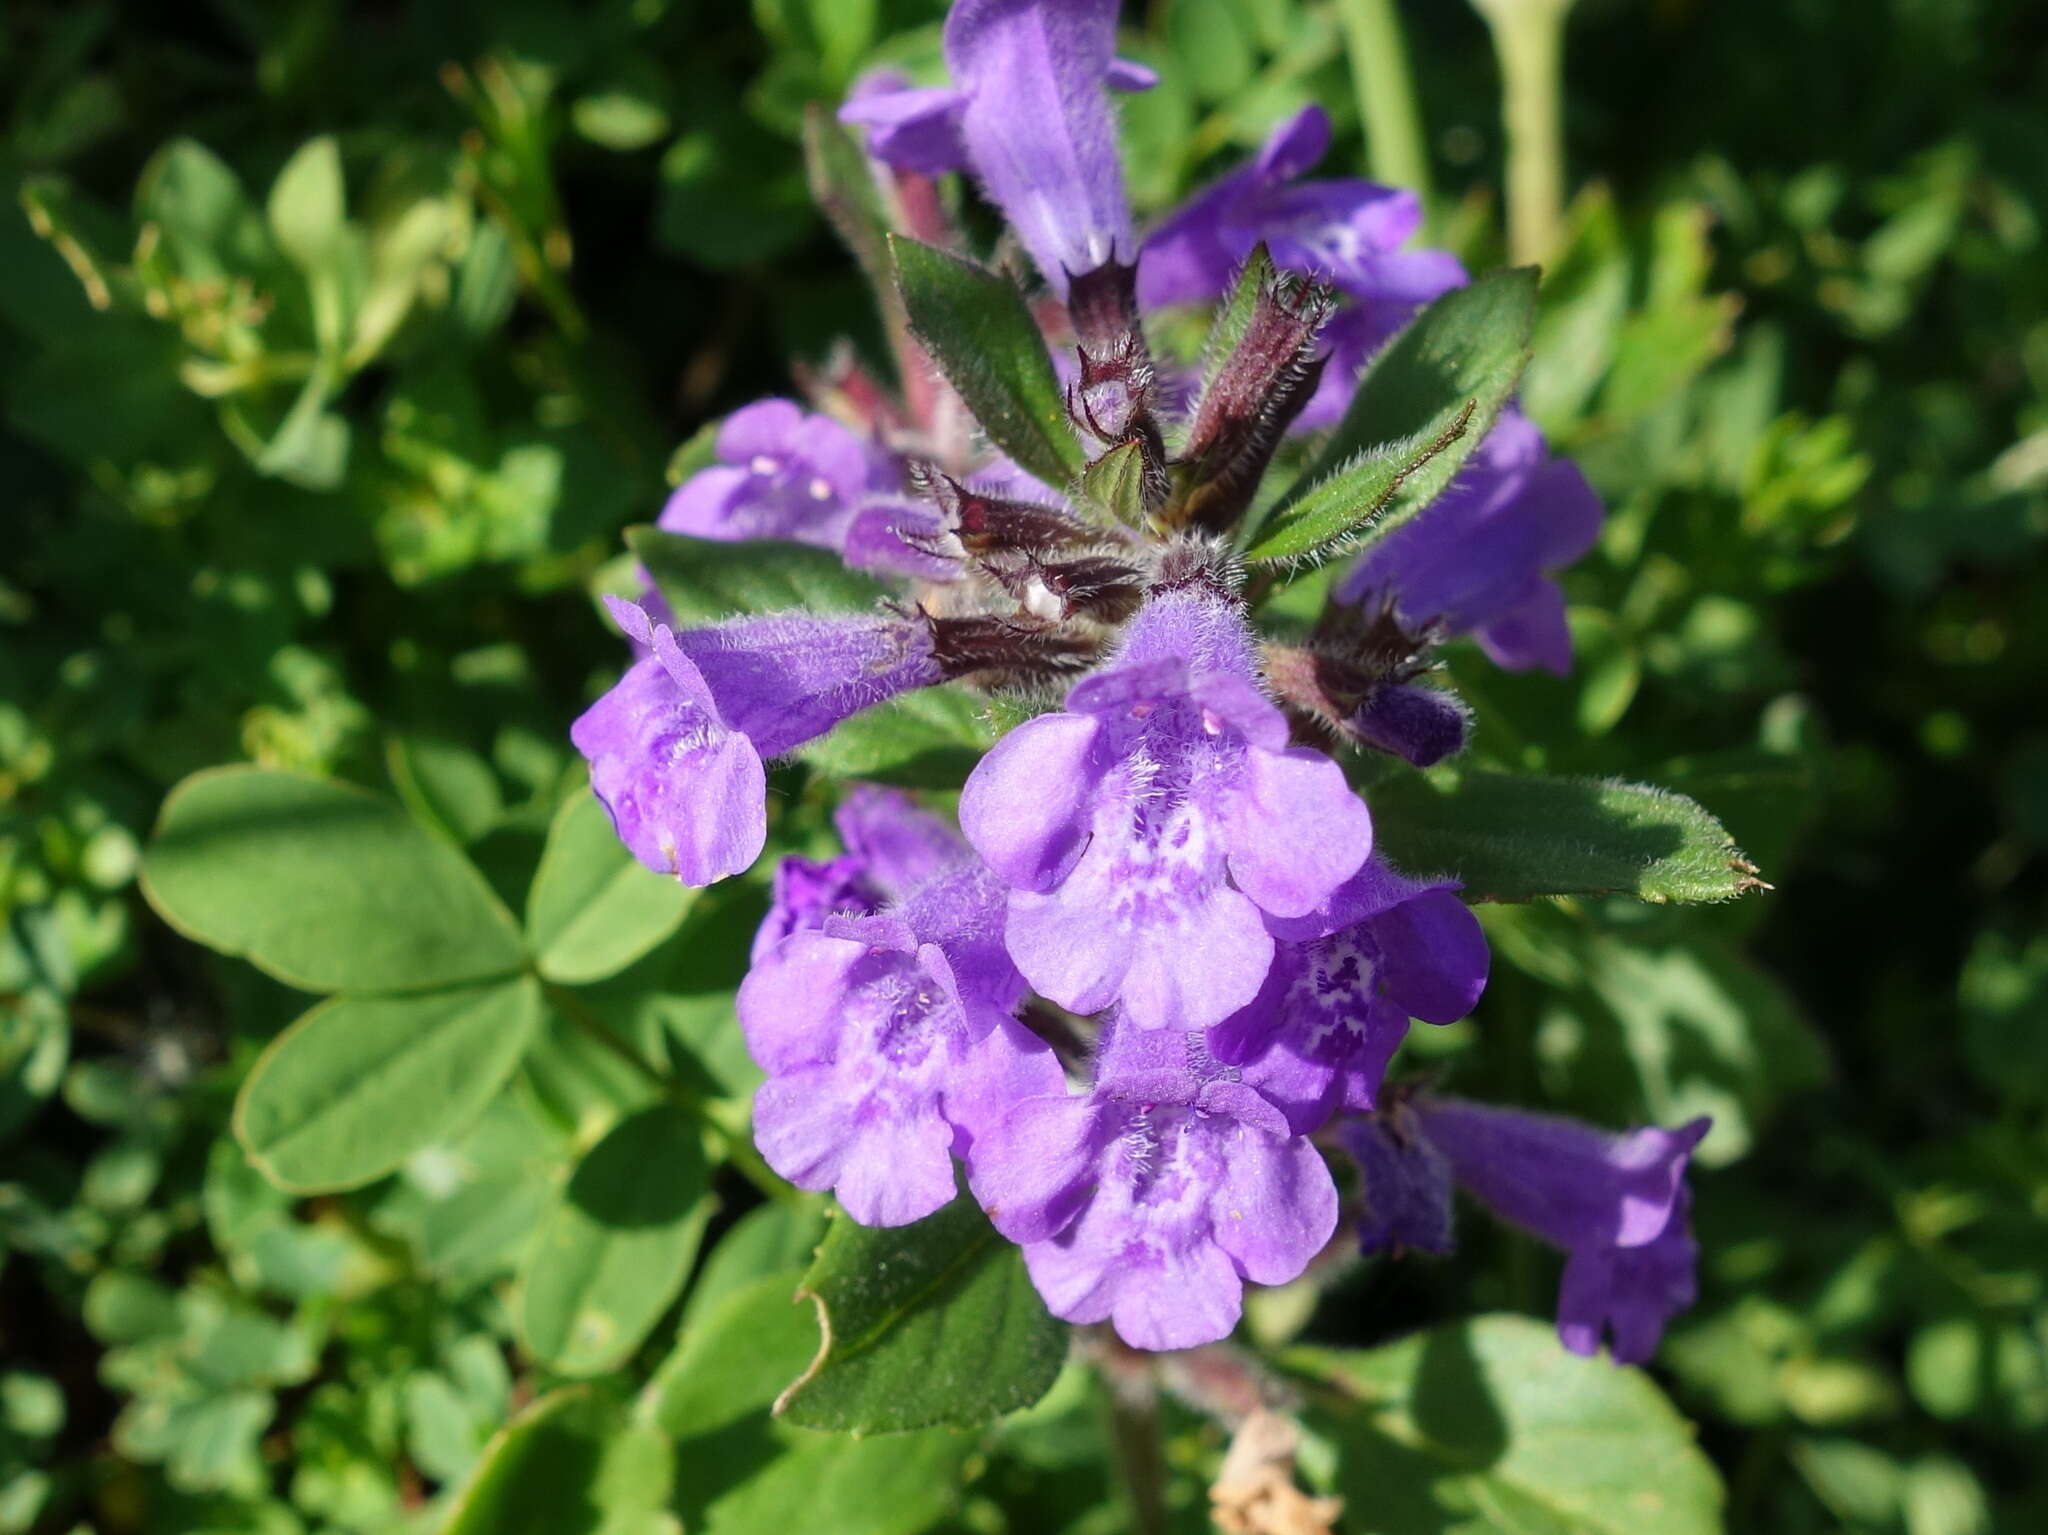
(1160,960)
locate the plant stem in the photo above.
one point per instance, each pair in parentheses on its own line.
(1528,40)
(1386,95)
(1135,1448)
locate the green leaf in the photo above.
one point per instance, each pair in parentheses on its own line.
(309,220)
(361,1083)
(594,908)
(1116,483)
(927,1324)
(1515,838)
(1420,410)
(930,739)
(306,206)
(322,885)
(978,330)
(612,1253)
(210,228)
(1489,1425)
(704,582)
(734,1358)
(569,1465)
(444,785)
(900,1485)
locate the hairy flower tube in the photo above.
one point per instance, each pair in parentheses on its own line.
(1162,956)
(1615,1204)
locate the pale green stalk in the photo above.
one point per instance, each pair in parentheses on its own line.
(1528,40)
(1380,75)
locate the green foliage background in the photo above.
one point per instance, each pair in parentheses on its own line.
(338,344)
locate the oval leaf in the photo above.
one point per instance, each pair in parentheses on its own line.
(612,1253)
(931,1323)
(322,885)
(1515,838)
(359,1084)
(569,1465)
(1494,1419)
(594,908)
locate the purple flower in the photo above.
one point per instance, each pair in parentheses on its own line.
(909,128)
(1616,1204)
(785,680)
(676,747)
(1477,559)
(1346,232)
(889,1047)
(1148,829)
(1037,127)
(1028,115)
(1420,724)
(1345,980)
(781,474)
(1629,1292)
(892,847)
(1149,1202)
(686,790)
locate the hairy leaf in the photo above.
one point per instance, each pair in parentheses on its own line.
(978,330)
(930,739)
(571,1464)
(1421,408)
(1515,838)
(704,581)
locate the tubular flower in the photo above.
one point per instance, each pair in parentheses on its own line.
(1616,1204)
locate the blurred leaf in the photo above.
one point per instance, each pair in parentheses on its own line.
(1493,1422)
(359,1084)
(321,885)
(1514,838)
(731,197)
(594,908)
(568,1465)
(444,785)
(898,1484)
(706,582)
(734,1357)
(612,1254)
(1421,407)
(977,328)
(931,1323)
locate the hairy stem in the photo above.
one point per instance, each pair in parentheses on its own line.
(1394,143)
